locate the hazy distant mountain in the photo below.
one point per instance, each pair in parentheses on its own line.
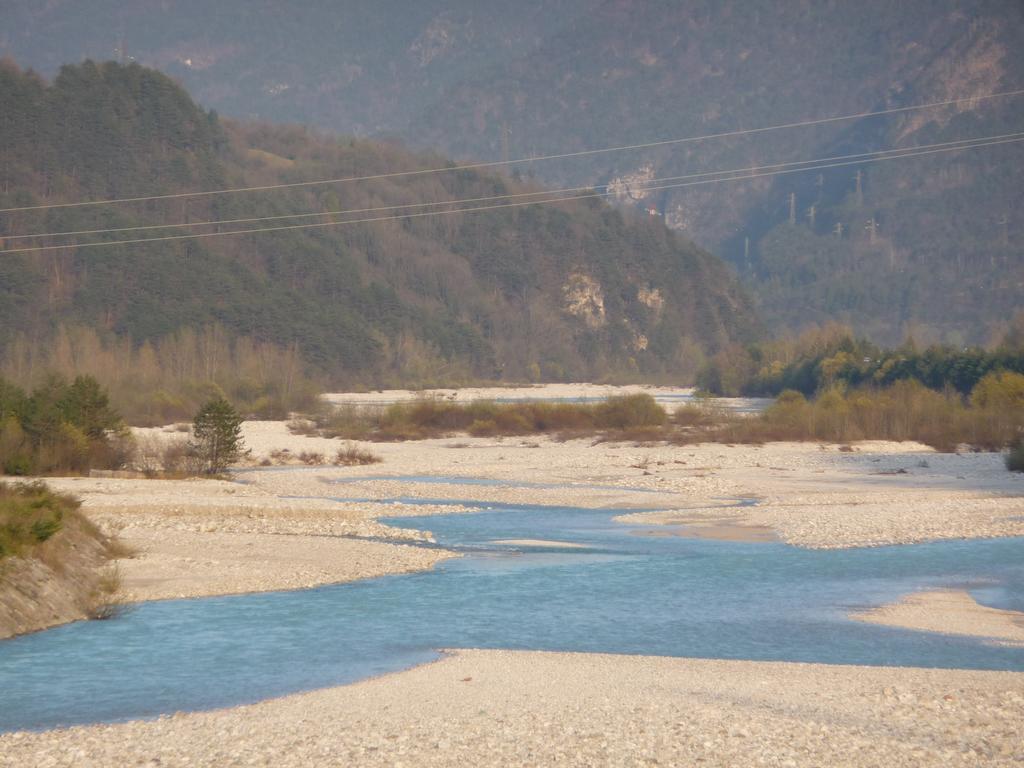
(350,67)
(574,290)
(480,78)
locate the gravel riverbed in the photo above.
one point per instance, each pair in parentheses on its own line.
(503,708)
(286,529)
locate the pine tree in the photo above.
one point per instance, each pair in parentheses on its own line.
(217,435)
(87,406)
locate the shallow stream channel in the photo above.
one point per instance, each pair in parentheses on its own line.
(589,584)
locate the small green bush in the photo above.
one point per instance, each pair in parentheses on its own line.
(30,513)
(483,428)
(18,466)
(44,529)
(629,412)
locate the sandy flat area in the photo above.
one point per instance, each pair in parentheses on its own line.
(502,708)
(671,396)
(579,390)
(950,612)
(727,529)
(811,495)
(204,564)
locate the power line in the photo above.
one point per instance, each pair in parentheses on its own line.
(422,214)
(497,163)
(837,165)
(311,214)
(509,196)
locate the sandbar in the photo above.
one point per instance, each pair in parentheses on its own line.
(194,538)
(714,530)
(540,543)
(949,612)
(669,396)
(812,495)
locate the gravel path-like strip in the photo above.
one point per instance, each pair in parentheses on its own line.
(501,708)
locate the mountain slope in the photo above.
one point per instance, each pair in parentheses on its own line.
(576,289)
(946,258)
(350,67)
(482,79)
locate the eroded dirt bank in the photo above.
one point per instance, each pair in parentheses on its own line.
(59,581)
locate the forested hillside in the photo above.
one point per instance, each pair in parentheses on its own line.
(571,290)
(932,246)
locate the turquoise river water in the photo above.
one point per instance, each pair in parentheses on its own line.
(623,593)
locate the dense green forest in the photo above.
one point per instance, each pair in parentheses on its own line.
(833,385)
(573,290)
(930,246)
(60,425)
(833,358)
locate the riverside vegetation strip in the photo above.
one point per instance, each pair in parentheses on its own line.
(185,527)
(992,418)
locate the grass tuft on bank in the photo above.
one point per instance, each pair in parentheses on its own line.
(31,514)
(55,565)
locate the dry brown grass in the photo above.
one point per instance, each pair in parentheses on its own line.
(108,599)
(904,411)
(168,457)
(629,415)
(312,458)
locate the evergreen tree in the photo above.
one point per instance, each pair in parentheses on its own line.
(87,406)
(60,426)
(217,435)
